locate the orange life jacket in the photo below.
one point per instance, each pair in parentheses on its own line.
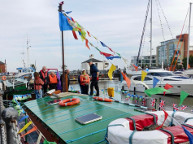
(53,80)
(84,79)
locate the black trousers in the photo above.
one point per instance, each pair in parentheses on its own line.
(45,87)
(84,89)
(52,86)
(94,83)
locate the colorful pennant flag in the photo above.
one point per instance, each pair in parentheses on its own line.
(189,66)
(88,34)
(162,103)
(183,96)
(166,115)
(190,136)
(23,118)
(126,79)
(111,70)
(112,57)
(143,101)
(167,86)
(106,54)
(152,102)
(63,23)
(25,127)
(183,107)
(121,77)
(175,107)
(39,138)
(143,75)
(30,131)
(156,90)
(103,44)
(68,12)
(155,81)
(87,44)
(136,67)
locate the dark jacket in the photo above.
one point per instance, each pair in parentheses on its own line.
(44,77)
(93,71)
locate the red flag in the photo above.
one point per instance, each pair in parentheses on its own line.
(111,49)
(87,44)
(188,66)
(126,79)
(106,54)
(167,86)
(30,131)
(88,34)
(136,67)
(166,115)
(74,34)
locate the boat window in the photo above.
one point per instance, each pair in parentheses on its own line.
(147,79)
(160,74)
(181,77)
(139,78)
(170,80)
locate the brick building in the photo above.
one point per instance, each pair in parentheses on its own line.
(3,67)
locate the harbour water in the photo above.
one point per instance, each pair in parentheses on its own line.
(117,85)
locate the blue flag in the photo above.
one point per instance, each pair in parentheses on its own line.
(155,81)
(112,57)
(63,22)
(103,44)
(23,118)
(68,12)
(121,77)
(190,136)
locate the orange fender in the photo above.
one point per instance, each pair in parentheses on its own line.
(103,99)
(3,78)
(69,102)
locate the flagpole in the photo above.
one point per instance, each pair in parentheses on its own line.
(64,75)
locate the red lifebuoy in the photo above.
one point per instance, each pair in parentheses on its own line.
(3,78)
(103,99)
(69,102)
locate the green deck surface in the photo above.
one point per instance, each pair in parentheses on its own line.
(62,119)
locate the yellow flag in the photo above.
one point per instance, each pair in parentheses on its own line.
(110,73)
(26,126)
(143,75)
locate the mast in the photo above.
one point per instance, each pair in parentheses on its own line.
(189,36)
(64,78)
(28,46)
(150,36)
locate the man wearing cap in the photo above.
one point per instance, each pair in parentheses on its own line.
(94,79)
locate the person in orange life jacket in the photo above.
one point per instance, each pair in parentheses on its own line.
(52,80)
(94,79)
(38,85)
(44,76)
(84,82)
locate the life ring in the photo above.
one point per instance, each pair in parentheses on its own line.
(103,99)
(3,78)
(69,102)
(130,130)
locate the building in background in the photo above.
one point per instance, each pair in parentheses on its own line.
(3,67)
(165,52)
(144,61)
(101,65)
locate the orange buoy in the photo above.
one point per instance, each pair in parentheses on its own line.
(3,78)
(69,102)
(103,99)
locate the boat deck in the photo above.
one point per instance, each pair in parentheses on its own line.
(60,121)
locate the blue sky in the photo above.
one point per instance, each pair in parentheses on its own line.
(117,23)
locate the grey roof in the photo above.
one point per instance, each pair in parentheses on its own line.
(92,59)
(1,63)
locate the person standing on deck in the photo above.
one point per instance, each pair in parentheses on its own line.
(52,81)
(44,76)
(38,85)
(84,82)
(94,79)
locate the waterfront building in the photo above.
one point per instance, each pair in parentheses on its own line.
(3,67)
(144,61)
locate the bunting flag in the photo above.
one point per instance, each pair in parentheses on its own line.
(175,107)
(88,34)
(63,23)
(121,77)
(26,126)
(155,81)
(87,44)
(23,118)
(167,86)
(112,57)
(162,103)
(126,79)
(190,136)
(183,96)
(111,49)
(136,67)
(68,12)
(39,138)
(143,101)
(30,131)
(166,115)
(189,66)
(103,44)
(152,102)
(183,107)
(106,54)
(143,75)
(47,142)
(111,70)
(74,34)
(156,90)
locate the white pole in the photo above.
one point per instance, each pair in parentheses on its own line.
(189,36)
(150,37)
